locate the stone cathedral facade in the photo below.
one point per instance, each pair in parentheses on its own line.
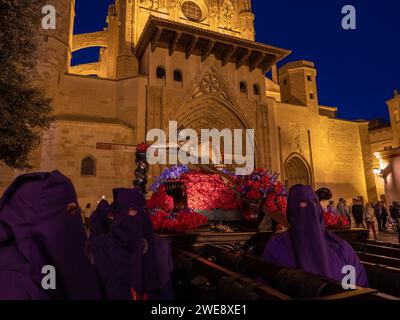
(196,62)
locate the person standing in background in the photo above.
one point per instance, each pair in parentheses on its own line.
(98,220)
(346,211)
(378,215)
(357,212)
(87,213)
(384,217)
(331,208)
(339,206)
(370,219)
(395,213)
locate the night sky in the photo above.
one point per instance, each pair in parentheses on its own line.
(357,69)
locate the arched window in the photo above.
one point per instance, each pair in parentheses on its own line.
(243,87)
(88,167)
(178,76)
(160,73)
(256,89)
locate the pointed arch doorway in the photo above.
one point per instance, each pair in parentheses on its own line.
(297,171)
(211,113)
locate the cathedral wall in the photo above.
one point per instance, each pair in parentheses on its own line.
(87,96)
(104,100)
(168,99)
(69,142)
(335,147)
(191,69)
(368,162)
(339,159)
(131,104)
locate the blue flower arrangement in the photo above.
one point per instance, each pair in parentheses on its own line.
(173,173)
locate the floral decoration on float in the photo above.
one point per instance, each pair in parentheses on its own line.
(207,194)
(259,191)
(335,221)
(203,192)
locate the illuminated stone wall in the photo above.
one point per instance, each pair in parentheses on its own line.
(330,147)
(69,142)
(121,106)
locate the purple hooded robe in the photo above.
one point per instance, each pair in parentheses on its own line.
(37,230)
(131,260)
(307,245)
(99,220)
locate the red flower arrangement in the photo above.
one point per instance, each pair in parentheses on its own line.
(335,221)
(276,203)
(208,192)
(184,220)
(142,147)
(261,185)
(204,191)
(161,200)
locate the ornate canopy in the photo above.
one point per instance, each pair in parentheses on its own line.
(193,40)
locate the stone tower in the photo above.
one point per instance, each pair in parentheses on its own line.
(247,18)
(55,46)
(394,111)
(298,84)
(117,60)
(53,59)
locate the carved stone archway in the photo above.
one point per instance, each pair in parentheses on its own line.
(212,113)
(211,103)
(297,171)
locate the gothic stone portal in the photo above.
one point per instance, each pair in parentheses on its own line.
(297,172)
(210,113)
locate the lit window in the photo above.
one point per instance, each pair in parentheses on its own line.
(178,76)
(88,167)
(192,11)
(160,73)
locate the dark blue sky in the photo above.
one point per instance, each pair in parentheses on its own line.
(357,69)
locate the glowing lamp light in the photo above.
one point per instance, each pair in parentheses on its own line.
(377,172)
(103,197)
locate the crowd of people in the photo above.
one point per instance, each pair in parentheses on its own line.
(119,257)
(374,217)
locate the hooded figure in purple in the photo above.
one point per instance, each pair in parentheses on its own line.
(133,263)
(41,225)
(307,245)
(99,220)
